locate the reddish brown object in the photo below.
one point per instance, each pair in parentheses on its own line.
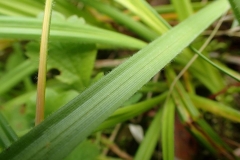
(158,2)
(185,144)
(224,90)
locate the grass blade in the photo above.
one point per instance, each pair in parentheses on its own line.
(18,8)
(128,112)
(201,128)
(147,14)
(183,8)
(168,130)
(118,16)
(64,31)
(150,140)
(7,135)
(216,108)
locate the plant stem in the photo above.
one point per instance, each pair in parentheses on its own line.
(43,63)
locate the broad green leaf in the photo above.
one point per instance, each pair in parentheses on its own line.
(64,31)
(73,122)
(53,101)
(74,61)
(20,112)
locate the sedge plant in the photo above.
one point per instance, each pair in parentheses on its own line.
(81,101)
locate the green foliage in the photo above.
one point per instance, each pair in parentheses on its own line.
(236,8)
(75,62)
(85,151)
(81,100)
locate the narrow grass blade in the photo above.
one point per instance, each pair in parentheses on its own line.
(120,17)
(216,108)
(21,8)
(186,119)
(226,71)
(147,14)
(150,140)
(128,112)
(64,31)
(183,8)
(212,79)
(206,134)
(7,135)
(73,122)
(168,130)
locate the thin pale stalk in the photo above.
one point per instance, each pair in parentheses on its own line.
(43,63)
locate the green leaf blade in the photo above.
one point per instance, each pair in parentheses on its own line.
(168,130)
(64,31)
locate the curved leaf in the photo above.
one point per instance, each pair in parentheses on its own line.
(64,31)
